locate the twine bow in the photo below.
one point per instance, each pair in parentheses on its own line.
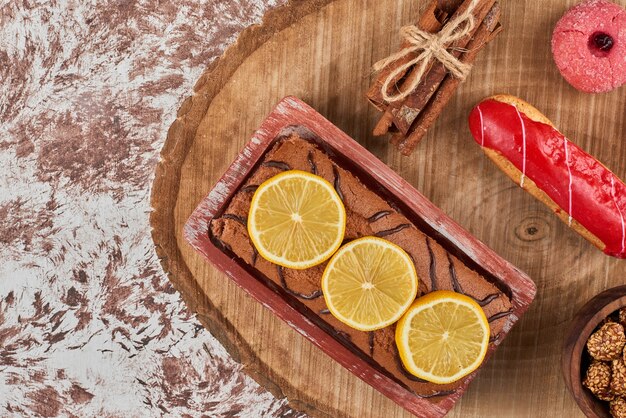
(433,46)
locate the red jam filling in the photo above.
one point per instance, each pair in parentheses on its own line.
(600,44)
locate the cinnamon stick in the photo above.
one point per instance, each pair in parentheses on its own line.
(405,115)
(397,138)
(430,83)
(448,6)
(485,33)
(384,124)
(429,22)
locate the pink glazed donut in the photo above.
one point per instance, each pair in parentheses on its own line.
(589,46)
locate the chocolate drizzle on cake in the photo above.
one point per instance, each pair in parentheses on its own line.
(236,218)
(255,254)
(370,340)
(499,315)
(309,158)
(494,338)
(219,242)
(337,182)
(392,230)
(378,215)
(436,394)
(433,267)
(455,280)
(283,283)
(277,164)
(344,335)
(414,378)
(486,300)
(324,312)
(405,372)
(250,189)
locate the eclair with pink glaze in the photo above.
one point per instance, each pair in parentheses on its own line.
(581,191)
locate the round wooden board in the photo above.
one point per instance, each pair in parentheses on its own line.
(321,51)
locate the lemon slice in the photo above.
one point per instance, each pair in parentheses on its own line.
(443,337)
(296,220)
(369,283)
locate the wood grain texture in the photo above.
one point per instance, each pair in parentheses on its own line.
(324,57)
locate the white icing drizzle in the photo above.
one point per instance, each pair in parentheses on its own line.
(482,127)
(621,215)
(521,183)
(569,171)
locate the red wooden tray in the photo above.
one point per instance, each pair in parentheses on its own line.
(290,114)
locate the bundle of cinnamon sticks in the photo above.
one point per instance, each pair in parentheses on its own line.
(408,119)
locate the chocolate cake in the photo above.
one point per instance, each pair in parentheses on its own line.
(367,214)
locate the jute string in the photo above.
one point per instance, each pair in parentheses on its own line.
(433,46)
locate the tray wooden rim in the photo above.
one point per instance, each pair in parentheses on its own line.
(291,111)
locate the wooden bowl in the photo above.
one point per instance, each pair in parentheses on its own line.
(575,360)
